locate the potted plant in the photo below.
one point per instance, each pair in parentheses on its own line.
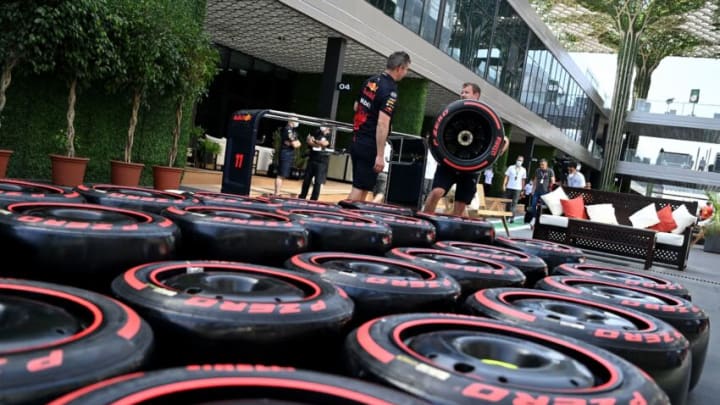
(208,151)
(711,230)
(84,54)
(197,61)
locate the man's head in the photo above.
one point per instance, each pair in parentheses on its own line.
(470,91)
(519,161)
(572,167)
(293,122)
(398,65)
(708,203)
(543,164)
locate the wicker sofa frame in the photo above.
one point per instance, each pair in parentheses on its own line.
(623,239)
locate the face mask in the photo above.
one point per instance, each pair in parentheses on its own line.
(519,163)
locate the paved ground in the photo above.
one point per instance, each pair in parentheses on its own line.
(702,278)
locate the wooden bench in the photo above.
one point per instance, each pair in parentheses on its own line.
(490,208)
(623,239)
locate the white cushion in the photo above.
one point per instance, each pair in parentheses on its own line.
(683,218)
(552,200)
(603,213)
(645,217)
(554,220)
(667,238)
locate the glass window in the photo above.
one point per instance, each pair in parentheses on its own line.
(413,14)
(429,20)
(532,71)
(467,40)
(447,25)
(510,43)
(393,8)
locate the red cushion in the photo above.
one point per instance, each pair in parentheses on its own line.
(667,223)
(574,208)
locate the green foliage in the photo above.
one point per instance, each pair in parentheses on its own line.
(713,227)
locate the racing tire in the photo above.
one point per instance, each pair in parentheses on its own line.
(343,231)
(238,384)
(406,230)
(237,234)
(533,267)
(236,200)
(59,239)
(454,359)
(471,272)
(200,309)
(15,190)
(624,276)
(137,198)
(553,254)
(453,227)
(57,338)
(376,207)
(649,343)
(682,314)
(288,203)
(379,285)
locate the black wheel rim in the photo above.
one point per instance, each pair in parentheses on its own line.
(488,249)
(27,322)
(377,268)
(328,215)
(139,192)
(465,137)
(617,293)
(79,212)
(510,360)
(572,313)
(228,285)
(443,258)
(30,188)
(238,213)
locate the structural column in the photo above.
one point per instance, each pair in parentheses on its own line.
(329,92)
(528,153)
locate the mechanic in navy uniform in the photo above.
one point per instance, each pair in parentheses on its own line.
(317,165)
(445,176)
(371,124)
(288,143)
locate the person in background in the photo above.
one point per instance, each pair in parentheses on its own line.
(488,175)
(544,178)
(575,178)
(513,184)
(445,176)
(381,183)
(288,143)
(374,109)
(706,212)
(317,165)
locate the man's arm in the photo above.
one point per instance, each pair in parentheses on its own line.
(381,134)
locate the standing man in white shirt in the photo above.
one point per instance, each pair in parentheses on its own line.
(488,175)
(381,183)
(514,182)
(575,178)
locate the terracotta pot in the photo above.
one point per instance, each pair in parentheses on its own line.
(167,178)
(125,174)
(68,171)
(4,159)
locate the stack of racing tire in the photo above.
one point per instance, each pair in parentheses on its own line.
(134,295)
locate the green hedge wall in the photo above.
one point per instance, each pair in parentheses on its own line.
(35,115)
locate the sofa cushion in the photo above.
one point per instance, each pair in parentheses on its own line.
(682,218)
(645,217)
(574,208)
(667,223)
(671,239)
(554,220)
(603,213)
(552,200)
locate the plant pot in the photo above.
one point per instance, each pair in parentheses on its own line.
(167,178)
(4,160)
(125,173)
(68,171)
(712,243)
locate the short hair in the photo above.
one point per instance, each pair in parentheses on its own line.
(543,160)
(573,164)
(474,86)
(398,59)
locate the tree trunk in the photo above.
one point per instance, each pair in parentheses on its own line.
(176,131)
(5,80)
(623,78)
(137,97)
(72,99)
(643,76)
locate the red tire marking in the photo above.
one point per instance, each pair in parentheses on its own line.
(370,346)
(97,207)
(132,324)
(94,387)
(431,275)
